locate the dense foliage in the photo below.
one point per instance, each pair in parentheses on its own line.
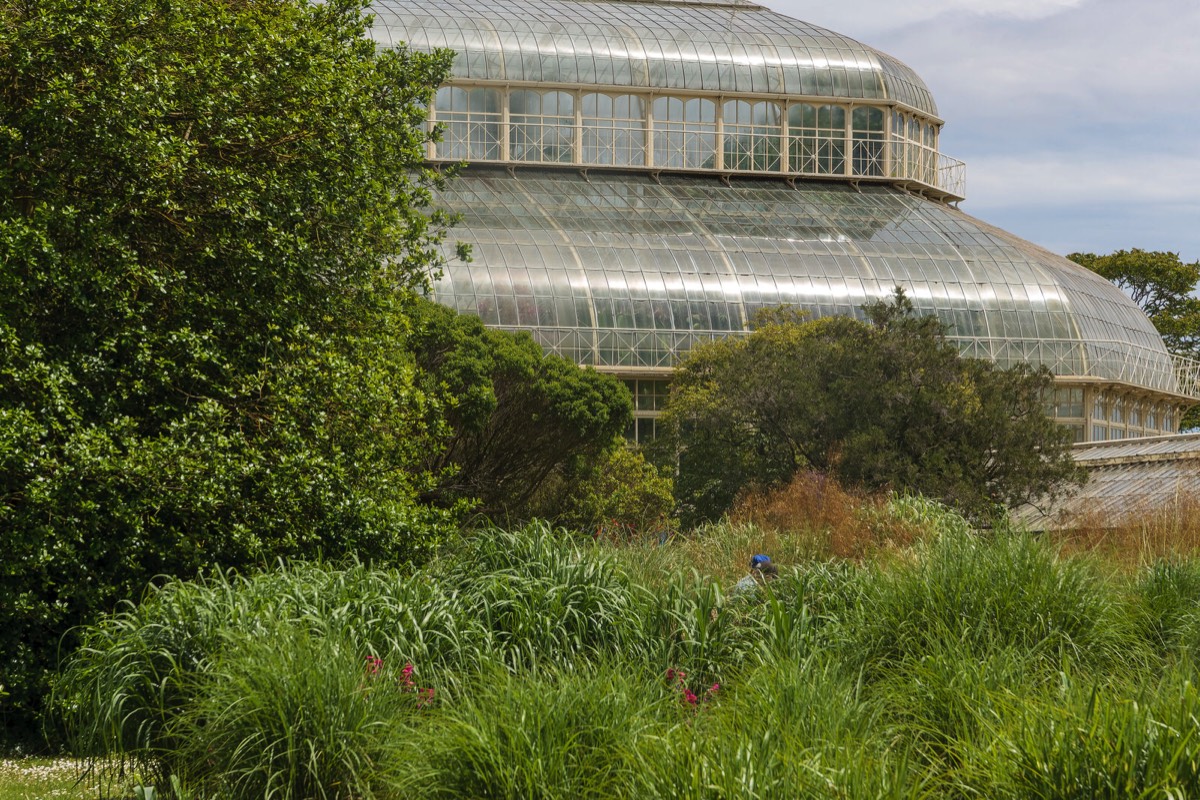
(524,665)
(517,417)
(621,496)
(887,403)
(212,211)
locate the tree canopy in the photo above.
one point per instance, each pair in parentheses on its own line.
(887,403)
(515,415)
(213,211)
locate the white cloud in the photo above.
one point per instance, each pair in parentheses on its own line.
(1106,54)
(866,16)
(1096,202)
(1004,52)
(1077,118)
(1080,179)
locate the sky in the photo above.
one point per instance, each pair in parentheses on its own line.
(1079,120)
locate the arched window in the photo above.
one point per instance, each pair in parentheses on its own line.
(614,129)
(685,132)
(470,122)
(752,134)
(929,140)
(868,140)
(817,139)
(541,126)
(899,145)
(916,150)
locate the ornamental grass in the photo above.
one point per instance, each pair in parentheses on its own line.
(538,663)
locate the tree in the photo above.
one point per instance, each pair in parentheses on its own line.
(887,403)
(213,213)
(1162,285)
(620,495)
(516,416)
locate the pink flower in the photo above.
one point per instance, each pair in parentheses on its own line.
(374,665)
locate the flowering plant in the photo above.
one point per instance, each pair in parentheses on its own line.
(690,699)
(424,695)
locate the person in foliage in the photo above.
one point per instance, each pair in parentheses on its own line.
(762,570)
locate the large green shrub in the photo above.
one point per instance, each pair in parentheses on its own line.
(883,404)
(517,417)
(622,495)
(212,212)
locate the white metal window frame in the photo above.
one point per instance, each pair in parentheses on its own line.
(682,132)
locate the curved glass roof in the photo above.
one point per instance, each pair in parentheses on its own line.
(721,46)
(621,270)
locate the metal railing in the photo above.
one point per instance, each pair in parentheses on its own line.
(1187,373)
(705,146)
(951,176)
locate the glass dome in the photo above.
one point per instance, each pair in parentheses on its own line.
(644,175)
(622,270)
(721,47)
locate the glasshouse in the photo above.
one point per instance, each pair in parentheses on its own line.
(644,175)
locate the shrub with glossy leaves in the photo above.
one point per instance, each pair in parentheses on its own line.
(621,496)
(517,417)
(213,213)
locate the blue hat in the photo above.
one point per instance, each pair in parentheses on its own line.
(757,561)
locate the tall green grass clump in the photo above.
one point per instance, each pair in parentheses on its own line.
(547,601)
(719,551)
(294,716)
(1095,742)
(929,516)
(579,732)
(1169,590)
(803,729)
(691,625)
(969,630)
(809,606)
(124,690)
(544,599)
(985,595)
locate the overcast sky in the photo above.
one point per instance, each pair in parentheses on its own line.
(1079,120)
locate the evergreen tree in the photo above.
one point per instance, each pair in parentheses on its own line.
(884,404)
